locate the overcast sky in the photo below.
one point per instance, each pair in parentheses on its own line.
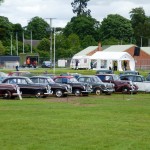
(21,11)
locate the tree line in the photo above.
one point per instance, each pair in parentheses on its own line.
(80,32)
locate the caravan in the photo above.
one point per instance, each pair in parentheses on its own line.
(83,62)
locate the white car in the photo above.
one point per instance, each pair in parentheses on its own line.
(139,80)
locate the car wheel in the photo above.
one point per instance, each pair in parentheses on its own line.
(7,95)
(77,92)
(125,90)
(38,94)
(98,91)
(59,93)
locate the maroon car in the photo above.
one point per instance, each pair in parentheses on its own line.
(120,86)
(10,91)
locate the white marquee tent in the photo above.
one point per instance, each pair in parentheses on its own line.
(105,60)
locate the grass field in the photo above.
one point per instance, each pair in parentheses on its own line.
(116,122)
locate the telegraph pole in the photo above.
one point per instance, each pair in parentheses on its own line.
(17,43)
(50,28)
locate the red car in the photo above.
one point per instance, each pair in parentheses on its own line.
(120,86)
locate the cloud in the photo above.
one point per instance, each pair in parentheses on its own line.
(18,11)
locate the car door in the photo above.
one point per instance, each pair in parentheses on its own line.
(25,87)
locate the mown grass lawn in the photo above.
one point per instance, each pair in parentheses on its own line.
(116,122)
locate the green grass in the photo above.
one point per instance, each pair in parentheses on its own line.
(59,71)
(116,122)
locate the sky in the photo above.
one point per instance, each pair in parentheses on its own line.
(22,11)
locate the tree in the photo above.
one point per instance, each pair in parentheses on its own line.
(17,29)
(5,28)
(44,48)
(141,25)
(1,1)
(83,26)
(39,27)
(79,7)
(88,41)
(117,27)
(2,49)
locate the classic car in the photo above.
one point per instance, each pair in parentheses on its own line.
(148,77)
(78,88)
(129,72)
(104,71)
(59,90)
(97,85)
(139,80)
(120,86)
(10,91)
(27,87)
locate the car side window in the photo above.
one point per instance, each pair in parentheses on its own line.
(81,79)
(88,80)
(58,80)
(12,81)
(41,80)
(108,78)
(35,80)
(22,81)
(138,79)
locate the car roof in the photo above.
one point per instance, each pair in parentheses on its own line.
(16,77)
(40,77)
(64,77)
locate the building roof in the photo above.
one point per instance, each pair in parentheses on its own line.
(118,48)
(146,49)
(86,51)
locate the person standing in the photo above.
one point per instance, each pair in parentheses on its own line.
(76,65)
(115,65)
(91,64)
(125,65)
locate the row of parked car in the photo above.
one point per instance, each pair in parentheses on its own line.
(17,84)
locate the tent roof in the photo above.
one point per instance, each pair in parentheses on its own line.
(112,56)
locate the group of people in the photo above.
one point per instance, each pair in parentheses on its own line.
(115,68)
(124,65)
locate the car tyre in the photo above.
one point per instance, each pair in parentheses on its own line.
(7,95)
(59,93)
(125,90)
(39,94)
(98,91)
(77,92)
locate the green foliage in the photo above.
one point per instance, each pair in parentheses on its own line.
(5,28)
(141,25)
(117,27)
(2,49)
(39,27)
(88,41)
(17,31)
(44,48)
(1,1)
(82,26)
(79,7)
